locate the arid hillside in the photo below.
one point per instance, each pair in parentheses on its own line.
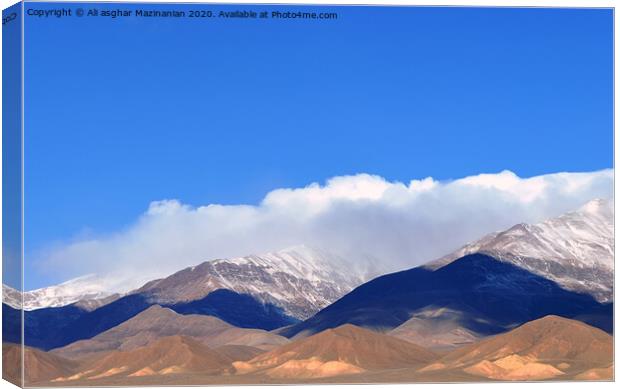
(344,350)
(551,347)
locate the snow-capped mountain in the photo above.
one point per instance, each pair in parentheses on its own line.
(301,280)
(576,249)
(84,288)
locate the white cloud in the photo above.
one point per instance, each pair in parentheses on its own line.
(361,216)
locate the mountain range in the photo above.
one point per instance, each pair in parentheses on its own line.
(300,280)
(532,302)
(258,291)
(548,348)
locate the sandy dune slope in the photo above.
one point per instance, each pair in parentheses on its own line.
(169,355)
(551,347)
(344,350)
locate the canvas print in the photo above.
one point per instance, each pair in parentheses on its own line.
(242,194)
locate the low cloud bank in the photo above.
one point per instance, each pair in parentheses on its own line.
(371,221)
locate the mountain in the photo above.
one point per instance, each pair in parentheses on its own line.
(39,365)
(576,250)
(169,355)
(545,348)
(484,295)
(83,288)
(157,322)
(562,266)
(300,280)
(341,351)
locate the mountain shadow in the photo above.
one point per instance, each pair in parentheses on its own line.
(11,325)
(240,310)
(50,328)
(490,296)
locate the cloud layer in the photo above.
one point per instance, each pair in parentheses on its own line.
(363,217)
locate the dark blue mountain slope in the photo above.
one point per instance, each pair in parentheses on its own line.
(240,310)
(491,297)
(50,328)
(11,325)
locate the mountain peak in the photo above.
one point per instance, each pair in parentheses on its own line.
(155,312)
(301,280)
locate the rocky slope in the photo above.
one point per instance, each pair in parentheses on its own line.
(576,249)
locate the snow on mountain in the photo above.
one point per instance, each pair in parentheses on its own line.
(83,288)
(301,280)
(576,249)
(11,297)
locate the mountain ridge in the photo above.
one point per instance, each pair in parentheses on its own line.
(300,279)
(575,249)
(85,288)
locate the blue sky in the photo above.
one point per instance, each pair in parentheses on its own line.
(122,112)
